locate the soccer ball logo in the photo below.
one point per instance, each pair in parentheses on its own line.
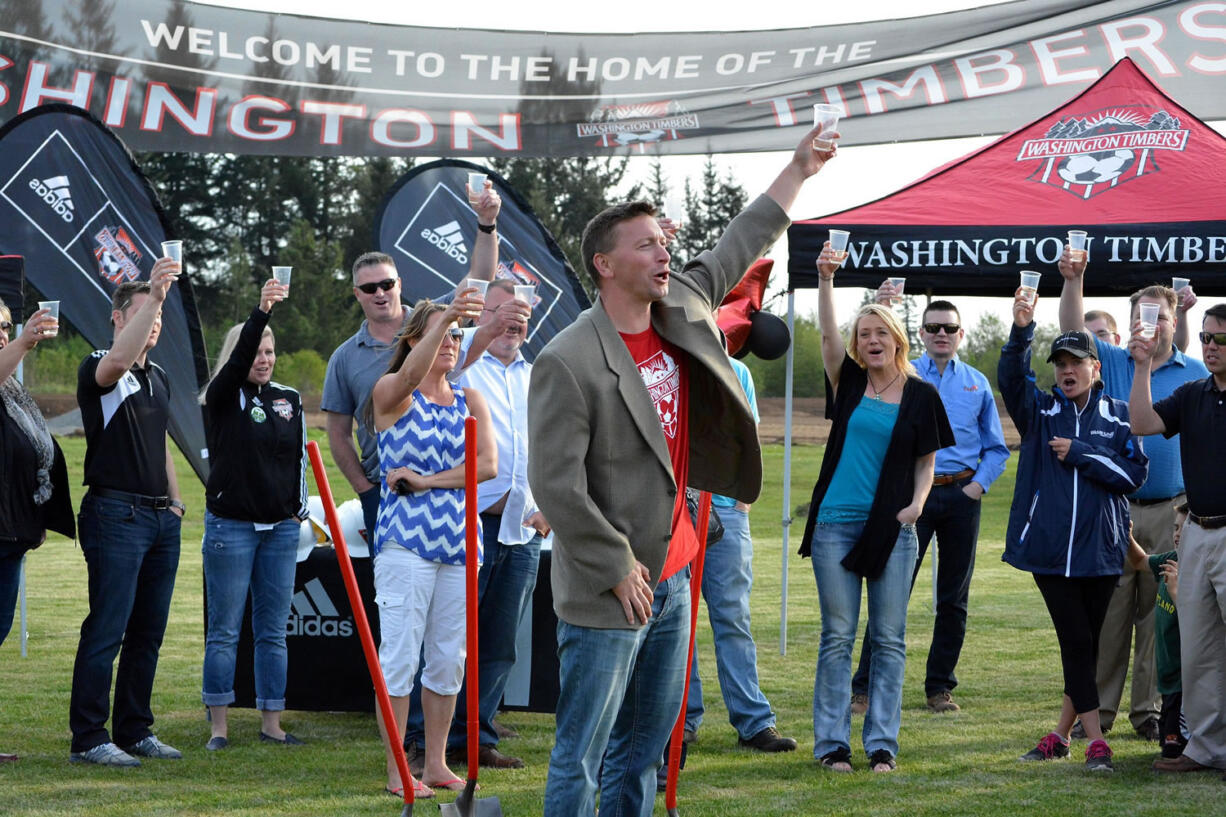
(1096,168)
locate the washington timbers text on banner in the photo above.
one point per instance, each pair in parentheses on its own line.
(176,76)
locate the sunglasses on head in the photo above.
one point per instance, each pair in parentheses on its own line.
(1217,337)
(950,328)
(385,285)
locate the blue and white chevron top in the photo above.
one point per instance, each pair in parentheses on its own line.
(428,438)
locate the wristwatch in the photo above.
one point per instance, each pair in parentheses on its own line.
(486,228)
(178,503)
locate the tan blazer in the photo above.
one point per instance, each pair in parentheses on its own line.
(598,463)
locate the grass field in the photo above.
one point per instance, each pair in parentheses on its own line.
(962,764)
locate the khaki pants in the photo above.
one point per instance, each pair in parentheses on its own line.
(1132,609)
(1202,634)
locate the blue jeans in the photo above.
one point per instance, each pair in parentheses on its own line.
(131,556)
(954,518)
(504,590)
(238,559)
(620,696)
(10,575)
(838,591)
(727,578)
(369,500)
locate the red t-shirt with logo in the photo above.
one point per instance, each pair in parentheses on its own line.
(663,369)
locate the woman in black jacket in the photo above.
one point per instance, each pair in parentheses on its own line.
(256,497)
(875,477)
(34,488)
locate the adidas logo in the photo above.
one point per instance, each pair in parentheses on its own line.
(313,613)
(449,239)
(54,191)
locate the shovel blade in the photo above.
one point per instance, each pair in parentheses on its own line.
(466,805)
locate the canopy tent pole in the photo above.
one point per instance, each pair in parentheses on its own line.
(787,475)
(932,551)
(21,571)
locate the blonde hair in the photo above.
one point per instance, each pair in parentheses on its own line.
(227,349)
(903,347)
(5,311)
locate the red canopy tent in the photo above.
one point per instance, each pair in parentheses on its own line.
(1121,160)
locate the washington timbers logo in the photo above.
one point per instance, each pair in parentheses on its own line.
(663,381)
(638,124)
(1092,154)
(117,255)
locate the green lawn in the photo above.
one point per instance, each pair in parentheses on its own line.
(963,764)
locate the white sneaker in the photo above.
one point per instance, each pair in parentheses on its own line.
(104,754)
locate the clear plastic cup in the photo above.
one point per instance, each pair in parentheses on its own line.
(838,240)
(1149,319)
(173,250)
(1179,283)
(282,274)
(900,285)
(825,117)
(481,285)
(1030,284)
(54,308)
(525,293)
(476,183)
(1077,242)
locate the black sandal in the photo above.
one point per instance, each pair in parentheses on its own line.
(879,757)
(831,761)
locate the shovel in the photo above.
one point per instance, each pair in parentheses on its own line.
(467,804)
(359,618)
(674,743)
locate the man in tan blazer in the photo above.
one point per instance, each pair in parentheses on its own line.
(629,404)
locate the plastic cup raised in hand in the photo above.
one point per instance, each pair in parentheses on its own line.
(1077,243)
(838,243)
(476,184)
(1149,319)
(481,285)
(1179,283)
(53,308)
(173,250)
(525,293)
(1030,285)
(825,117)
(899,284)
(282,274)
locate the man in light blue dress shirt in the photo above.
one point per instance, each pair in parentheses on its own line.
(964,473)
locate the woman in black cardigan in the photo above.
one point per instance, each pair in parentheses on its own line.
(875,477)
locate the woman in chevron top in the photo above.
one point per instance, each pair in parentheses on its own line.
(419,540)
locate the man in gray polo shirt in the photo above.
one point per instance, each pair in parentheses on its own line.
(363,358)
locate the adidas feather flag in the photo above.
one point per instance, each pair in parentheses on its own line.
(427,226)
(74,203)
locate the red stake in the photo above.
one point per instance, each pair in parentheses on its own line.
(674,748)
(359,618)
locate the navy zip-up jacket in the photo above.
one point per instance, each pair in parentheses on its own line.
(1068,518)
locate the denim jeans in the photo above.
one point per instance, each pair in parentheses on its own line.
(239,560)
(954,518)
(838,591)
(369,500)
(504,589)
(10,575)
(620,696)
(727,578)
(131,556)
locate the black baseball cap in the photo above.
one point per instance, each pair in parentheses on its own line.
(1075,343)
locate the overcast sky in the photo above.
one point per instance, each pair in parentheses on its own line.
(860,174)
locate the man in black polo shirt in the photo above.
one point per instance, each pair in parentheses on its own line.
(1196,411)
(129,529)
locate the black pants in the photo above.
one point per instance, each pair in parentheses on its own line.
(1077,606)
(1170,725)
(954,518)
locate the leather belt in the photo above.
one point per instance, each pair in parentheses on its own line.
(157,503)
(1208,522)
(1145,502)
(949,479)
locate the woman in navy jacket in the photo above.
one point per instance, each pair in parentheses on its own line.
(1068,525)
(256,497)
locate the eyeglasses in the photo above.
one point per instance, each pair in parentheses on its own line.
(6,326)
(1217,337)
(385,285)
(934,328)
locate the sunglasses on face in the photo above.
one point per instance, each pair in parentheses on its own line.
(386,284)
(6,326)
(1218,338)
(455,333)
(934,328)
